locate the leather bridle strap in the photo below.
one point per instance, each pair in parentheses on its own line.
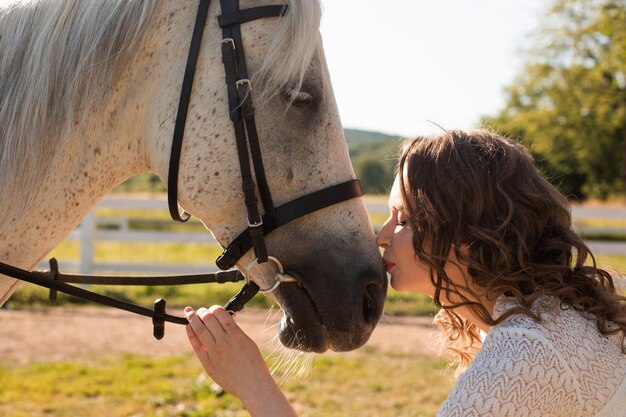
(241,113)
(181,115)
(56,281)
(288,212)
(248,15)
(219,277)
(230,19)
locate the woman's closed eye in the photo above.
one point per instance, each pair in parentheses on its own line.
(401,219)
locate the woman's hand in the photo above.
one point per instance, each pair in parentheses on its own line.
(234,361)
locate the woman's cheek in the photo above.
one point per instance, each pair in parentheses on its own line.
(398,284)
(394,284)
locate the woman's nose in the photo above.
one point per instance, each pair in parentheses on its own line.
(383,238)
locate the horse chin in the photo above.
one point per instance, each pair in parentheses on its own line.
(304,339)
(302,326)
(301,329)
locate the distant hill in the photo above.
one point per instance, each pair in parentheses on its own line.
(356,136)
(374,157)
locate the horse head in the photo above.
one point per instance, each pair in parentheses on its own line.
(331,252)
(105,109)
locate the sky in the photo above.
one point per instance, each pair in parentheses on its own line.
(397,67)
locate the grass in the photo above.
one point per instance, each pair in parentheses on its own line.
(367,383)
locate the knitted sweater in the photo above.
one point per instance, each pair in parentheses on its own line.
(561,366)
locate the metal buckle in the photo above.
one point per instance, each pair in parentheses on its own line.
(279,278)
(253,224)
(244,81)
(228,40)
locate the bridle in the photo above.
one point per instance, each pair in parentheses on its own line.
(241,113)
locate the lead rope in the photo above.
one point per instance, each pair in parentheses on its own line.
(55,281)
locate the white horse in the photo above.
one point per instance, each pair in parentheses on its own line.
(88,97)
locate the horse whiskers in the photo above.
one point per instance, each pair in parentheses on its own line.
(271,314)
(289,365)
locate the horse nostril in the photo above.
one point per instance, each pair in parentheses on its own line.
(370,306)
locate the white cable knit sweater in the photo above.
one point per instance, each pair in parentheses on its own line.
(561,366)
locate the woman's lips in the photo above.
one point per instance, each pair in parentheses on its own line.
(388,265)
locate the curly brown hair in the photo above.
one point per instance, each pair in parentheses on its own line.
(481,195)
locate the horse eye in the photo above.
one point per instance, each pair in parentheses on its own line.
(298,97)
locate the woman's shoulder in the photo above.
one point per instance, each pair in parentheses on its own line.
(558,322)
(568,339)
(515,372)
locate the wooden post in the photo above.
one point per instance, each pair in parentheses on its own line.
(87,235)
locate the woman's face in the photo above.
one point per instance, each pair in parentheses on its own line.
(396,238)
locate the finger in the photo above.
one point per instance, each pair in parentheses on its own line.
(212,323)
(198,348)
(196,345)
(224,318)
(198,326)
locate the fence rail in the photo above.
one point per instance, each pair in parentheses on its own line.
(91,231)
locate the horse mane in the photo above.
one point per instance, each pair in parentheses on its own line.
(295,43)
(59,60)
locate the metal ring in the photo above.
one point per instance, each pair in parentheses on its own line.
(270,258)
(279,278)
(269,289)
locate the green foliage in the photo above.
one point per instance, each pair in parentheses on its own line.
(374,157)
(569,103)
(367,383)
(374,176)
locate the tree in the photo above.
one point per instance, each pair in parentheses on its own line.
(569,103)
(375,177)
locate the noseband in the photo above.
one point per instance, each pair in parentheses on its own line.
(241,113)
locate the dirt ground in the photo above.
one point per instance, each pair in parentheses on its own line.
(55,334)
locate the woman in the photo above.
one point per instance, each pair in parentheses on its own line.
(538,330)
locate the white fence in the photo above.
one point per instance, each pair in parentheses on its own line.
(88,233)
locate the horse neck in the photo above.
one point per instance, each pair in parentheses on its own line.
(117,144)
(90,167)
(98,156)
